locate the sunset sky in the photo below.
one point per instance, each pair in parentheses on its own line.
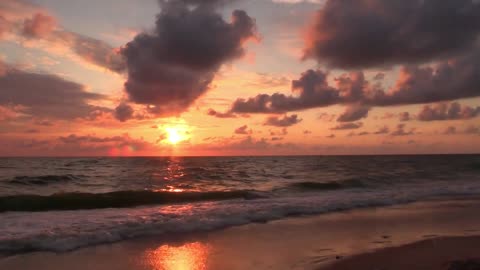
(239,77)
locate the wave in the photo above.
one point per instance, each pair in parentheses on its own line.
(118,199)
(332,185)
(61,231)
(42,180)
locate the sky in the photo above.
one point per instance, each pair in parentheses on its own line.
(239,77)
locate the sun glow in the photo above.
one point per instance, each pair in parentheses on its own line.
(176,133)
(173,135)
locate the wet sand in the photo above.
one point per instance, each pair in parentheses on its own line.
(449,253)
(414,236)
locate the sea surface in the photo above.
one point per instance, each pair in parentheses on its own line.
(60,204)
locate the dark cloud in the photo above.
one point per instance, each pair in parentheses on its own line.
(344,126)
(326,117)
(286,121)
(313,91)
(367,33)
(214,113)
(93,50)
(243,130)
(44,123)
(455,79)
(472,130)
(306,132)
(382,130)
(353,134)
(282,132)
(123,112)
(443,111)
(450,130)
(11,112)
(354,113)
(171,67)
(32,130)
(379,76)
(47,96)
(4,26)
(401,131)
(39,26)
(331,136)
(404,116)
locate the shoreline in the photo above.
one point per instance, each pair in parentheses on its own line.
(449,253)
(312,242)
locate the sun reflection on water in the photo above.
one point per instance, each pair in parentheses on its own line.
(192,256)
(174,170)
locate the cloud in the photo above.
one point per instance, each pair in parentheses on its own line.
(39,26)
(10,112)
(32,22)
(123,112)
(455,79)
(472,130)
(443,111)
(353,134)
(312,89)
(171,67)
(379,76)
(3,68)
(286,121)
(450,130)
(92,50)
(243,130)
(344,126)
(214,113)
(354,113)
(94,145)
(369,33)
(4,26)
(404,116)
(382,130)
(401,131)
(282,132)
(47,96)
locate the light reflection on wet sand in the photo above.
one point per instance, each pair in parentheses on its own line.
(308,243)
(191,256)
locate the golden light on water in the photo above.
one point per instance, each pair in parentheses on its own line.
(192,256)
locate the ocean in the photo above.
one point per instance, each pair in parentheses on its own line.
(61,204)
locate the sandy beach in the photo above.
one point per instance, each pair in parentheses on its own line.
(431,234)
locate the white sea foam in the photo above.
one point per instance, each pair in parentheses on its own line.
(66,230)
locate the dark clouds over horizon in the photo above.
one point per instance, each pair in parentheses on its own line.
(174,65)
(371,33)
(47,96)
(413,33)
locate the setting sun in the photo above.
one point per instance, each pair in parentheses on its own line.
(173,135)
(176,134)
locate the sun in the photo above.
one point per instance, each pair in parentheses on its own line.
(174,135)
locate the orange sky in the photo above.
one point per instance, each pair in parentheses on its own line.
(77,80)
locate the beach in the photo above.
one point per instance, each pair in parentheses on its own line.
(430,234)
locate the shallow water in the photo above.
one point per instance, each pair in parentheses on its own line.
(112,199)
